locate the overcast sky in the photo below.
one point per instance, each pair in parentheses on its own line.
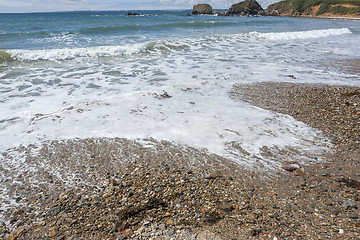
(15,6)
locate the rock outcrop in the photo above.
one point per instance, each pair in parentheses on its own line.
(330,8)
(132,14)
(248,7)
(202,9)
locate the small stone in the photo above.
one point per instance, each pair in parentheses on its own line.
(52,234)
(162,227)
(14,235)
(120,237)
(170,232)
(353,216)
(349,204)
(290,166)
(18,212)
(299,172)
(127,233)
(255,231)
(356,197)
(227,207)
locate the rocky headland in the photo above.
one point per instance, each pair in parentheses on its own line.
(292,8)
(330,8)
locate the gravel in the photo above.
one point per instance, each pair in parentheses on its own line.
(174,192)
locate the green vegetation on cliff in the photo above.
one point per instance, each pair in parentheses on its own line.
(315,7)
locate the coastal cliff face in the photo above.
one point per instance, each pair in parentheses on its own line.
(321,8)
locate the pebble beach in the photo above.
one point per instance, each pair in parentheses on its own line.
(124,190)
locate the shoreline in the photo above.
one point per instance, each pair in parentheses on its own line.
(164,194)
(318,17)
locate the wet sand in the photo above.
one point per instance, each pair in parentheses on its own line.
(119,189)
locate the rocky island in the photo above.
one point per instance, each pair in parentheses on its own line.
(244,8)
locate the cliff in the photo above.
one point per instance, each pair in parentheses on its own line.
(322,8)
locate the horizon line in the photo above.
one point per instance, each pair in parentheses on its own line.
(104,10)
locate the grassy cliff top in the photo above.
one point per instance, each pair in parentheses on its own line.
(316,7)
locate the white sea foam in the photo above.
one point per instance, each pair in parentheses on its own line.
(130,49)
(301,34)
(86,96)
(71,53)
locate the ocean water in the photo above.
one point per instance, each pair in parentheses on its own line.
(163,75)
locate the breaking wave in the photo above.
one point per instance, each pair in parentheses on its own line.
(157,46)
(302,34)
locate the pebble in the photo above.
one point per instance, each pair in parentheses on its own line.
(349,204)
(120,237)
(170,232)
(291,166)
(353,216)
(168,201)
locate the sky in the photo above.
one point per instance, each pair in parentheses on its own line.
(18,6)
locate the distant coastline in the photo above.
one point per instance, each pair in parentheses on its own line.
(333,9)
(321,17)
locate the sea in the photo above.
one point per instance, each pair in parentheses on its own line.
(163,75)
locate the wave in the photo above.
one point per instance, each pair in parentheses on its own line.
(72,53)
(301,35)
(193,24)
(196,24)
(97,30)
(157,46)
(36,34)
(5,57)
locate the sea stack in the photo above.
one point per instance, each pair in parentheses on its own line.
(248,7)
(202,9)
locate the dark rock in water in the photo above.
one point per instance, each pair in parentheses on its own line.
(248,7)
(224,14)
(132,14)
(202,9)
(215,12)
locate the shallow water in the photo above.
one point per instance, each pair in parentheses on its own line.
(163,75)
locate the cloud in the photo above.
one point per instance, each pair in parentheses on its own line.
(74,1)
(15,3)
(69,5)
